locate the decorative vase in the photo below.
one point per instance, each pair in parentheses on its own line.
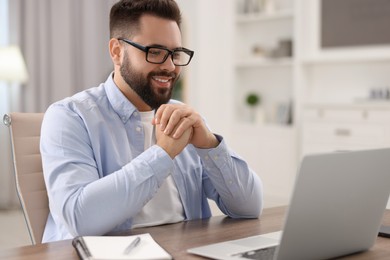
(260,115)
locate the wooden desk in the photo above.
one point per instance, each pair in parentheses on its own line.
(177,238)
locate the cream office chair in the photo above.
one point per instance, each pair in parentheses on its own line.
(25,131)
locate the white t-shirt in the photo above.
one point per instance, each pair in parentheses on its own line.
(165,207)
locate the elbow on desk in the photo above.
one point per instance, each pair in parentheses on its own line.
(82,221)
(88,228)
(250,205)
(251,208)
(254,212)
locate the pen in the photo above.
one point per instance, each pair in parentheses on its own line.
(132,245)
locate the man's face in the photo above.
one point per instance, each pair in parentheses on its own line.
(152,93)
(153,83)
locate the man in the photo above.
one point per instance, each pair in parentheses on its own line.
(124,155)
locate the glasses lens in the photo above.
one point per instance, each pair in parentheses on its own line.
(157,55)
(181,58)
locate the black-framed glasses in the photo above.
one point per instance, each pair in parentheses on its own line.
(158,55)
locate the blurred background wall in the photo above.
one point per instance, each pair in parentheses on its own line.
(264,74)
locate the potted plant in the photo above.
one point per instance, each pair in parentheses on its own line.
(253,100)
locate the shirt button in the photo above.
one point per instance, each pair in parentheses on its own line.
(206,157)
(135,114)
(123,118)
(216,157)
(230,182)
(138,129)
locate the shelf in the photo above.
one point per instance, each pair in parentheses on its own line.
(257,17)
(359,104)
(264,62)
(354,55)
(266,127)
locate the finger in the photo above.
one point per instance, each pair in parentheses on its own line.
(184,124)
(158,114)
(164,115)
(174,120)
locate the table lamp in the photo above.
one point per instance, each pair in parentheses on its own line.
(12,66)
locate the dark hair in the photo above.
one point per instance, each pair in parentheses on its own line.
(125,14)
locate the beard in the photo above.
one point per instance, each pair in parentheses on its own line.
(143,85)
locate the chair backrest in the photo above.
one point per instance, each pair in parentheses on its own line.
(25,132)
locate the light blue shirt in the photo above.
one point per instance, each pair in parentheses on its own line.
(99,176)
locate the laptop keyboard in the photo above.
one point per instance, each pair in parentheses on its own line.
(262,254)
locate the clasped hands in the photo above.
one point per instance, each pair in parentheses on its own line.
(178,125)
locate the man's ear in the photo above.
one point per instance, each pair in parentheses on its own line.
(115,51)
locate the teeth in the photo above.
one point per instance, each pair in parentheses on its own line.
(162,80)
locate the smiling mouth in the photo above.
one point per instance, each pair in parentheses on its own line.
(162,80)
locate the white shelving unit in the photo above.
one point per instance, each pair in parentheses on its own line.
(258,68)
(226,68)
(340,78)
(333,88)
(325,82)
(268,146)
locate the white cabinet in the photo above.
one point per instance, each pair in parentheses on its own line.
(328,128)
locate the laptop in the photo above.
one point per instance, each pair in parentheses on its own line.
(336,209)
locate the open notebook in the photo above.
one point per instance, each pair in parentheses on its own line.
(113,247)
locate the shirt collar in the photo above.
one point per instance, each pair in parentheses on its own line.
(121,105)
